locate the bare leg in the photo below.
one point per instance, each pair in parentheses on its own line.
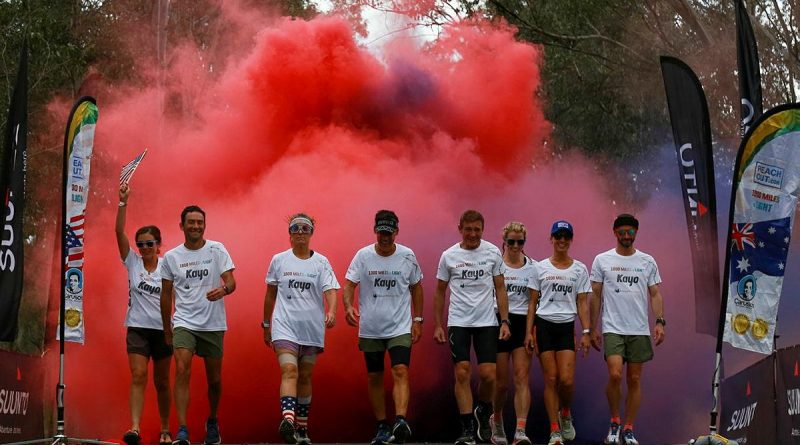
(214,379)
(401,389)
(183,370)
(161,382)
(138,365)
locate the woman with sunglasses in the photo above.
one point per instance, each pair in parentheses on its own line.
(519,273)
(560,295)
(300,282)
(145,332)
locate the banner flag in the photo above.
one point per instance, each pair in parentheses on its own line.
(12,185)
(78,144)
(691,132)
(127,171)
(765,190)
(749,69)
(748,408)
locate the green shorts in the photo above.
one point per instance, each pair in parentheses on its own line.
(202,343)
(383,344)
(632,348)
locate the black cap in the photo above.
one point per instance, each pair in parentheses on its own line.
(386,221)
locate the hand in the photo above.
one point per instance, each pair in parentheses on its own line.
(505,332)
(596,340)
(168,336)
(439,335)
(351,315)
(530,343)
(416,332)
(658,334)
(584,344)
(330,320)
(268,337)
(215,294)
(124,193)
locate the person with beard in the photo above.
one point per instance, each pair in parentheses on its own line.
(389,280)
(622,280)
(200,272)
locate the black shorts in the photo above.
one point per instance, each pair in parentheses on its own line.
(517,339)
(482,339)
(148,342)
(398,355)
(554,336)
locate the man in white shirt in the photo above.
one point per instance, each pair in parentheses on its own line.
(473,271)
(390,290)
(622,280)
(200,272)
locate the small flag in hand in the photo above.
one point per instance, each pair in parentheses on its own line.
(127,171)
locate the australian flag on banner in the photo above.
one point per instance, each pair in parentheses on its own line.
(757,264)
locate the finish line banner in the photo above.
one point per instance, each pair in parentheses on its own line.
(748,407)
(765,191)
(787,392)
(21,397)
(78,144)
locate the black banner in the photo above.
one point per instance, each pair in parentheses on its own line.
(691,131)
(787,387)
(748,407)
(749,69)
(12,185)
(21,397)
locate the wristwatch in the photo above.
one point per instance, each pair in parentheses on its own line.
(661,321)
(587,331)
(417,319)
(265,324)
(506,321)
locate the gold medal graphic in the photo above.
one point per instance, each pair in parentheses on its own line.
(741,323)
(760,329)
(73,318)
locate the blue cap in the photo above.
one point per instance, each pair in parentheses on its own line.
(561,226)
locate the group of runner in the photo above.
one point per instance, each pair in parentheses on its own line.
(503,305)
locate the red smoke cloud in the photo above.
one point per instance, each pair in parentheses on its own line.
(305,119)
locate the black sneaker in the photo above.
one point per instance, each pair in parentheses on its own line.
(401,432)
(286,430)
(302,436)
(383,436)
(182,437)
(467,438)
(131,437)
(484,428)
(212,433)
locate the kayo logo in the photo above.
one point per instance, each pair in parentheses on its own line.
(302,285)
(741,418)
(471,274)
(383,282)
(563,288)
(515,289)
(627,279)
(199,273)
(149,288)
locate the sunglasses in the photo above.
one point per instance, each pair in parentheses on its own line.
(148,243)
(300,228)
(515,242)
(629,232)
(562,235)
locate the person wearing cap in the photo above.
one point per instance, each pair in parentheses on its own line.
(388,317)
(622,280)
(473,272)
(199,275)
(560,295)
(300,282)
(519,274)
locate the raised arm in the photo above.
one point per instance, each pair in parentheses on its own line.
(122,240)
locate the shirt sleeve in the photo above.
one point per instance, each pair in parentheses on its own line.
(329,278)
(654,277)
(166,270)
(416,271)
(583,285)
(354,270)
(130,259)
(499,267)
(442,272)
(224,258)
(597,271)
(272,272)
(533,277)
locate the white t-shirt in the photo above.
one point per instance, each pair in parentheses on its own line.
(144,293)
(518,285)
(299,314)
(384,298)
(559,289)
(625,282)
(470,275)
(193,274)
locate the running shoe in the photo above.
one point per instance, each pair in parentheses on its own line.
(182,438)
(520,438)
(286,430)
(302,436)
(628,439)
(383,435)
(484,430)
(498,432)
(567,428)
(212,432)
(613,434)
(555,438)
(467,438)
(401,432)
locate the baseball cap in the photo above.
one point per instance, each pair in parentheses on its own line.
(386,221)
(561,226)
